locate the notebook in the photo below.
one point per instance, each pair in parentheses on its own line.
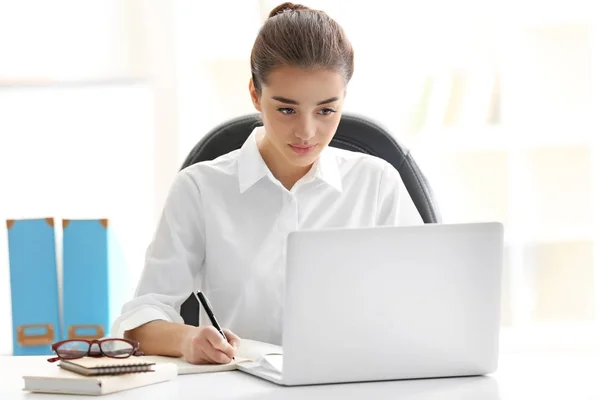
(250,351)
(60,380)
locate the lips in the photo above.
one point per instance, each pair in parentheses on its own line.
(301,148)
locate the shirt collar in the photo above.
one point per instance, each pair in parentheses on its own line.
(252,167)
(328,170)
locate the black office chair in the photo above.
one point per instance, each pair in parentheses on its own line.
(354,133)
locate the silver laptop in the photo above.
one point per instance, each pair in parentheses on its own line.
(387,303)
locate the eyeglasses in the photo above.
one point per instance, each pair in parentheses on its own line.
(77,348)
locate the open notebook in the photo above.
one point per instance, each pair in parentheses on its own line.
(96,376)
(267,355)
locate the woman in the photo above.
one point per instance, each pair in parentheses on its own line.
(225,222)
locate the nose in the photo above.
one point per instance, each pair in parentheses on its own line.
(305,129)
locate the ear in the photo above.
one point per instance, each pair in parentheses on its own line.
(254,96)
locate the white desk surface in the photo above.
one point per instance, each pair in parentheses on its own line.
(519,376)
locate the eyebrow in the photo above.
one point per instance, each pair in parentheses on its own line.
(289,101)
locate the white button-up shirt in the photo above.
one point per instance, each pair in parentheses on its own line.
(224,226)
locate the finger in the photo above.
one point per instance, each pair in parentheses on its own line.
(233,339)
(203,353)
(214,355)
(199,355)
(218,342)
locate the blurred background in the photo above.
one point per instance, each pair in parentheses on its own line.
(101,100)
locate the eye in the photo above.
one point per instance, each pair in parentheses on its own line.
(326,111)
(286,111)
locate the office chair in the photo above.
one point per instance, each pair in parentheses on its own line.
(354,133)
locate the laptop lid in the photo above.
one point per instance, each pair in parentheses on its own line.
(392,303)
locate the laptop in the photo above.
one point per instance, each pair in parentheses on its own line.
(389,303)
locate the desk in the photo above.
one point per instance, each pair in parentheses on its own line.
(519,376)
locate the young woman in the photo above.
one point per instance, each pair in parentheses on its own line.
(225,222)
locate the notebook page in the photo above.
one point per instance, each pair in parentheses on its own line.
(250,350)
(273,362)
(254,350)
(185,368)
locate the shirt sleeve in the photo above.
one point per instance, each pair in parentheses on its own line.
(395,206)
(172,261)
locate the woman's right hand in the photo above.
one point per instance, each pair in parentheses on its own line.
(205,345)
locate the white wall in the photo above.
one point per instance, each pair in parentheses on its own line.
(193,57)
(77,152)
(88,126)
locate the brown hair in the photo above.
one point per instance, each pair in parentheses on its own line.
(296,35)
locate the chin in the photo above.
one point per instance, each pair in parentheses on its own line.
(302,160)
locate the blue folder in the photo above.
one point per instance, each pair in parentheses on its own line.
(33,285)
(94,278)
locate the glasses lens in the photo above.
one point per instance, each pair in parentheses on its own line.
(73,349)
(117,348)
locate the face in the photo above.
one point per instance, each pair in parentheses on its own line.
(301,110)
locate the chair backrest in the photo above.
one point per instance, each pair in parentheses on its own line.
(354,133)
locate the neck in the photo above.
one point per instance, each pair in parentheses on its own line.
(283,171)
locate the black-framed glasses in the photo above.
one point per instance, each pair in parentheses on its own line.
(72,349)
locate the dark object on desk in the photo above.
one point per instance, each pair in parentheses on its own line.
(354,133)
(72,349)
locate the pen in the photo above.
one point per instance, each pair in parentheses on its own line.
(206,305)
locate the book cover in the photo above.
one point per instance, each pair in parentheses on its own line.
(61,381)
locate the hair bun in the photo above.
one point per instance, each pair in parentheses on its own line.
(288,6)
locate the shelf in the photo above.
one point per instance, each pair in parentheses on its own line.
(536,13)
(89,41)
(225,94)
(506,317)
(557,193)
(561,281)
(550,337)
(471,187)
(514,236)
(504,138)
(209,39)
(549,75)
